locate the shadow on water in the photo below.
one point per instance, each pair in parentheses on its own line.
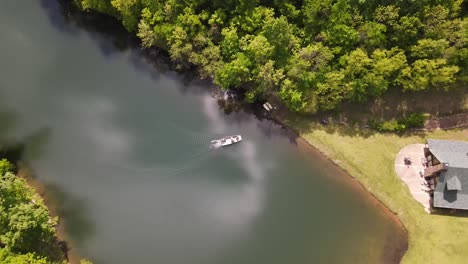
(73,212)
(69,209)
(10,149)
(36,143)
(7,121)
(112,38)
(30,146)
(58,15)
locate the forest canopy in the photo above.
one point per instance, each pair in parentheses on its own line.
(313,55)
(27,231)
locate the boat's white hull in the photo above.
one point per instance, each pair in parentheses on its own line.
(226,141)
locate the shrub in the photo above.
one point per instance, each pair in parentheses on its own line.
(415,120)
(389,126)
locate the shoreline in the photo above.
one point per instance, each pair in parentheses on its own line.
(350,180)
(156,56)
(25,172)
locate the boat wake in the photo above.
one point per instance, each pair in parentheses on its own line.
(166,170)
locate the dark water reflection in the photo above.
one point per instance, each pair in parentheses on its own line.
(122,144)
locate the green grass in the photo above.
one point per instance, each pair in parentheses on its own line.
(370,157)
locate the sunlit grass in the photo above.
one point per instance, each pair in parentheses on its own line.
(370,158)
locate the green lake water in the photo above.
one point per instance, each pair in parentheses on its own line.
(123,146)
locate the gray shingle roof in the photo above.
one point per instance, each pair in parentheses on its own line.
(454,184)
(455,153)
(457,199)
(452,187)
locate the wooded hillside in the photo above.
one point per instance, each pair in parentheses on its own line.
(312,54)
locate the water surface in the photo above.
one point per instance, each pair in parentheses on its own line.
(124,148)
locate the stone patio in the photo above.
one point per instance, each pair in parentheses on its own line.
(410,174)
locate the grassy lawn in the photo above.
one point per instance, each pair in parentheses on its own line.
(370,157)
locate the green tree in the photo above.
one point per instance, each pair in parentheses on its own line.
(315,16)
(292,96)
(333,90)
(340,31)
(373,34)
(180,47)
(279,34)
(5,166)
(230,44)
(7,257)
(257,48)
(308,65)
(146,34)
(25,223)
(407,31)
(426,73)
(269,78)
(341,36)
(129,12)
(209,61)
(253,19)
(429,48)
(387,15)
(234,73)
(434,20)
(389,64)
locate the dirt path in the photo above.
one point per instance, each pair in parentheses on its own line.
(455,121)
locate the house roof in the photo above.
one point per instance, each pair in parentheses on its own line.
(452,187)
(455,153)
(454,184)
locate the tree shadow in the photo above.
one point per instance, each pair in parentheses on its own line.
(10,149)
(67,18)
(58,15)
(112,38)
(396,104)
(271,129)
(30,147)
(36,143)
(7,122)
(72,213)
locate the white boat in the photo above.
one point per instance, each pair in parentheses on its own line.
(226,141)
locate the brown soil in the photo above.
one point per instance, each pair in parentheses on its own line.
(449,122)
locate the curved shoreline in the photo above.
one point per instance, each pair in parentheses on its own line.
(352,182)
(113,27)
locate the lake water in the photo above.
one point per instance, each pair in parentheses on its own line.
(123,146)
